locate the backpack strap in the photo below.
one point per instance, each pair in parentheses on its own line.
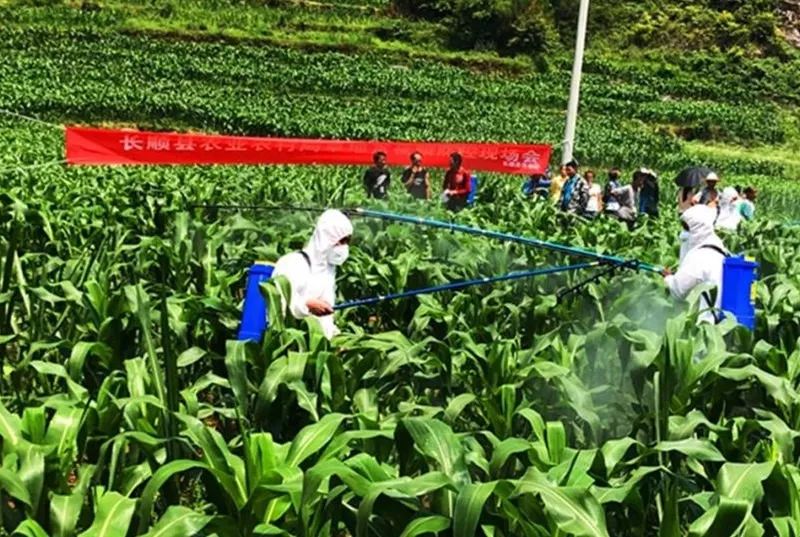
(716,249)
(711,300)
(305,256)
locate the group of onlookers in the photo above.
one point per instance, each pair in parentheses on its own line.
(733,204)
(571,192)
(456,186)
(584,196)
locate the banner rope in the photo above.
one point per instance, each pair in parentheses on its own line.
(32,119)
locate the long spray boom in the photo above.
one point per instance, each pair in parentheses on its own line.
(453,286)
(508,237)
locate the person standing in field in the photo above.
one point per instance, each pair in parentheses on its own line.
(312,271)
(575,194)
(702,264)
(728,216)
(416,178)
(709,195)
(627,200)
(686,196)
(610,203)
(378,177)
(648,198)
(747,206)
(456,184)
(537,186)
(595,204)
(557,184)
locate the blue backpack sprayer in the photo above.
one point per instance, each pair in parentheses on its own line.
(739,275)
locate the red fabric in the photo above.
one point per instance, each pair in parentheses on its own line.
(86,146)
(458,182)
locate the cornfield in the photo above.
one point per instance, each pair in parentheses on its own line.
(128,408)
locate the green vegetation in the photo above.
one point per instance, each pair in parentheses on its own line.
(126,410)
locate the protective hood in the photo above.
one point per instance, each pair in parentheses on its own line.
(700,220)
(729,217)
(331,227)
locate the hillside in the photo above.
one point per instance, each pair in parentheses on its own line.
(401,78)
(529,377)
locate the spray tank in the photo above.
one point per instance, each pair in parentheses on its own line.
(738,289)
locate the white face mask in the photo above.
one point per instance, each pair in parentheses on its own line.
(338,254)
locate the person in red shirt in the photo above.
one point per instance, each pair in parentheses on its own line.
(456,184)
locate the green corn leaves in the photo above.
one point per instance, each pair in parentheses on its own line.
(492,411)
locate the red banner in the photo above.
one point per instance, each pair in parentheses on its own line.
(110,146)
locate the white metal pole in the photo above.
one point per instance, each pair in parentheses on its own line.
(575,89)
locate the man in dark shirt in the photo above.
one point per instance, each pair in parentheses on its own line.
(575,194)
(377,178)
(416,179)
(456,184)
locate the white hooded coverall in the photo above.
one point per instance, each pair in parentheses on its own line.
(703,261)
(729,215)
(315,278)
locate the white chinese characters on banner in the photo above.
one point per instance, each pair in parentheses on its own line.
(488,154)
(530,159)
(210,146)
(511,159)
(235,146)
(132,142)
(185,144)
(158,143)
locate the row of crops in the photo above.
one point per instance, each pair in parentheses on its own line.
(85,76)
(126,409)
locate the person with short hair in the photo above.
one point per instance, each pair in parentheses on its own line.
(537,186)
(595,205)
(610,203)
(575,194)
(627,201)
(378,177)
(416,178)
(648,197)
(557,184)
(457,184)
(747,204)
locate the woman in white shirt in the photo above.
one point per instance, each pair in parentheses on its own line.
(595,204)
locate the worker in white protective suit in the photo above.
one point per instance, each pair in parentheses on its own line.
(312,271)
(702,264)
(729,215)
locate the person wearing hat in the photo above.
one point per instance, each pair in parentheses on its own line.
(575,194)
(709,195)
